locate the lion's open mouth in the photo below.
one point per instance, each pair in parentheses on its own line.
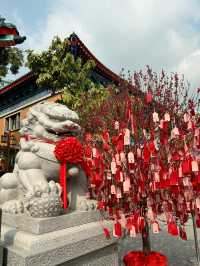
(61,134)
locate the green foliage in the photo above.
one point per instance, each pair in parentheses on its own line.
(11,59)
(84,102)
(58,69)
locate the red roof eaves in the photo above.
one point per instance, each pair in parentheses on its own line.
(102,67)
(17,82)
(86,51)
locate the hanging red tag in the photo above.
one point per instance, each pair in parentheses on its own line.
(155,117)
(113,167)
(172,228)
(122,157)
(186,167)
(132,231)
(113,189)
(139,153)
(167,117)
(195,167)
(152,147)
(120,143)
(117,232)
(117,159)
(119,193)
(155,228)
(126,185)
(117,175)
(149,97)
(131,157)
(174,177)
(116,126)
(127,139)
(109,176)
(94,152)
(146,154)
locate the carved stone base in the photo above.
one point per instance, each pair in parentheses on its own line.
(80,242)
(44,225)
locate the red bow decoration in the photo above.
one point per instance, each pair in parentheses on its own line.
(67,150)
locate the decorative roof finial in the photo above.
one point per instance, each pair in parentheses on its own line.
(9,35)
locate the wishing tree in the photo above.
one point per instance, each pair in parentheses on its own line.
(142,148)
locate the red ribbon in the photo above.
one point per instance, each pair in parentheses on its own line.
(63,183)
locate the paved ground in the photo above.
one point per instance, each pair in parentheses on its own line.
(179,252)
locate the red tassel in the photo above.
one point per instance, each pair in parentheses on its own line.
(182,234)
(106,233)
(63,183)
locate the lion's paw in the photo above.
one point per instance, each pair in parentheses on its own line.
(46,202)
(13,207)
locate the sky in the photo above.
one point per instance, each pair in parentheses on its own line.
(125,34)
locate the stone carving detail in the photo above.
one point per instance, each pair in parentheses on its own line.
(33,186)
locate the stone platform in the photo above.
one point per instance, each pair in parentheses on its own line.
(72,239)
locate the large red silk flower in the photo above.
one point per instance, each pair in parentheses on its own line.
(69,150)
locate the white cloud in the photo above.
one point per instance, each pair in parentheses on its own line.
(190,67)
(131,33)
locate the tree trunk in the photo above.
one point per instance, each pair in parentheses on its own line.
(196,238)
(146,239)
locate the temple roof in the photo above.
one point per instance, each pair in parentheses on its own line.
(75,41)
(4,83)
(16,82)
(78,48)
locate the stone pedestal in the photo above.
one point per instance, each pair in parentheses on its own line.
(72,239)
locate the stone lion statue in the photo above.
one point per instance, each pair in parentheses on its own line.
(33,186)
